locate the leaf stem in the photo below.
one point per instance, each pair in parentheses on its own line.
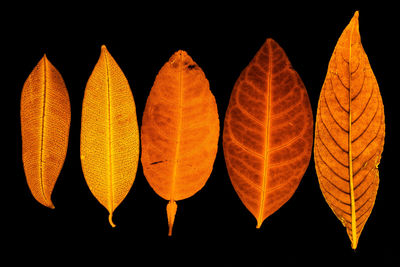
(171,211)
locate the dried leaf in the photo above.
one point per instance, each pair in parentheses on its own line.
(268,129)
(349,133)
(179,133)
(109,134)
(45,121)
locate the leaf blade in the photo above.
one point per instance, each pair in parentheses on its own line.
(109,134)
(45,121)
(351,80)
(267,122)
(179,133)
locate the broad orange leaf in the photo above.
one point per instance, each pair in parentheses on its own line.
(349,133)
(45,121)
(109,134)
(267,132)
(180,129)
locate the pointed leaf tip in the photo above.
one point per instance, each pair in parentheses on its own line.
(270,40)
(349,63)
(44,59)
(110,220)
(355,17)
(103,48)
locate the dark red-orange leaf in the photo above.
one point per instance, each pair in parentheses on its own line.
(268,132)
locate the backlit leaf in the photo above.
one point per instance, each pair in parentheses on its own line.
(349,133)
(267,132)
(45,121)
(109,134)
(180,129)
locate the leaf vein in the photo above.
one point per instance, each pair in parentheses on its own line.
(337,100)
(330,153)
(340,80)
(338,200)
(323,161)
(245,178)
(242,146)
(365,191)
(361,89)
(367,127)
(250,116)
(359,169)
(370,142)
(334,140)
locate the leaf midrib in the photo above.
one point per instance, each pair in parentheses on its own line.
(111,193)
(43,128)
(266,148)
(351,182)
(179,127)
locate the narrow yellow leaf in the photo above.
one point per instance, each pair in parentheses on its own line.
(109,134)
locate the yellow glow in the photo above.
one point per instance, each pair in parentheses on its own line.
(109,134)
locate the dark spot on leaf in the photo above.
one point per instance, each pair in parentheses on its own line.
(191,66)
(156,162)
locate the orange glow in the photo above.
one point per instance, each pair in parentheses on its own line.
(180,129)
(109,134)
(45,121)
(349,133)
(268,131)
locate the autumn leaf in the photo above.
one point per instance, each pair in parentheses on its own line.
(349,133)
(45,120)
(268,131)
(179,133)
(109,134)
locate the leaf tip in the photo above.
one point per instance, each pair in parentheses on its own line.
(110,220)
(180,59)
(270,41)
(44,59)
(354,245)
(259,223)
(104,49)
(355,17)
(47,202)
(181,53)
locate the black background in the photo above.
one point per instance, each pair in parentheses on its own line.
(212,227)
